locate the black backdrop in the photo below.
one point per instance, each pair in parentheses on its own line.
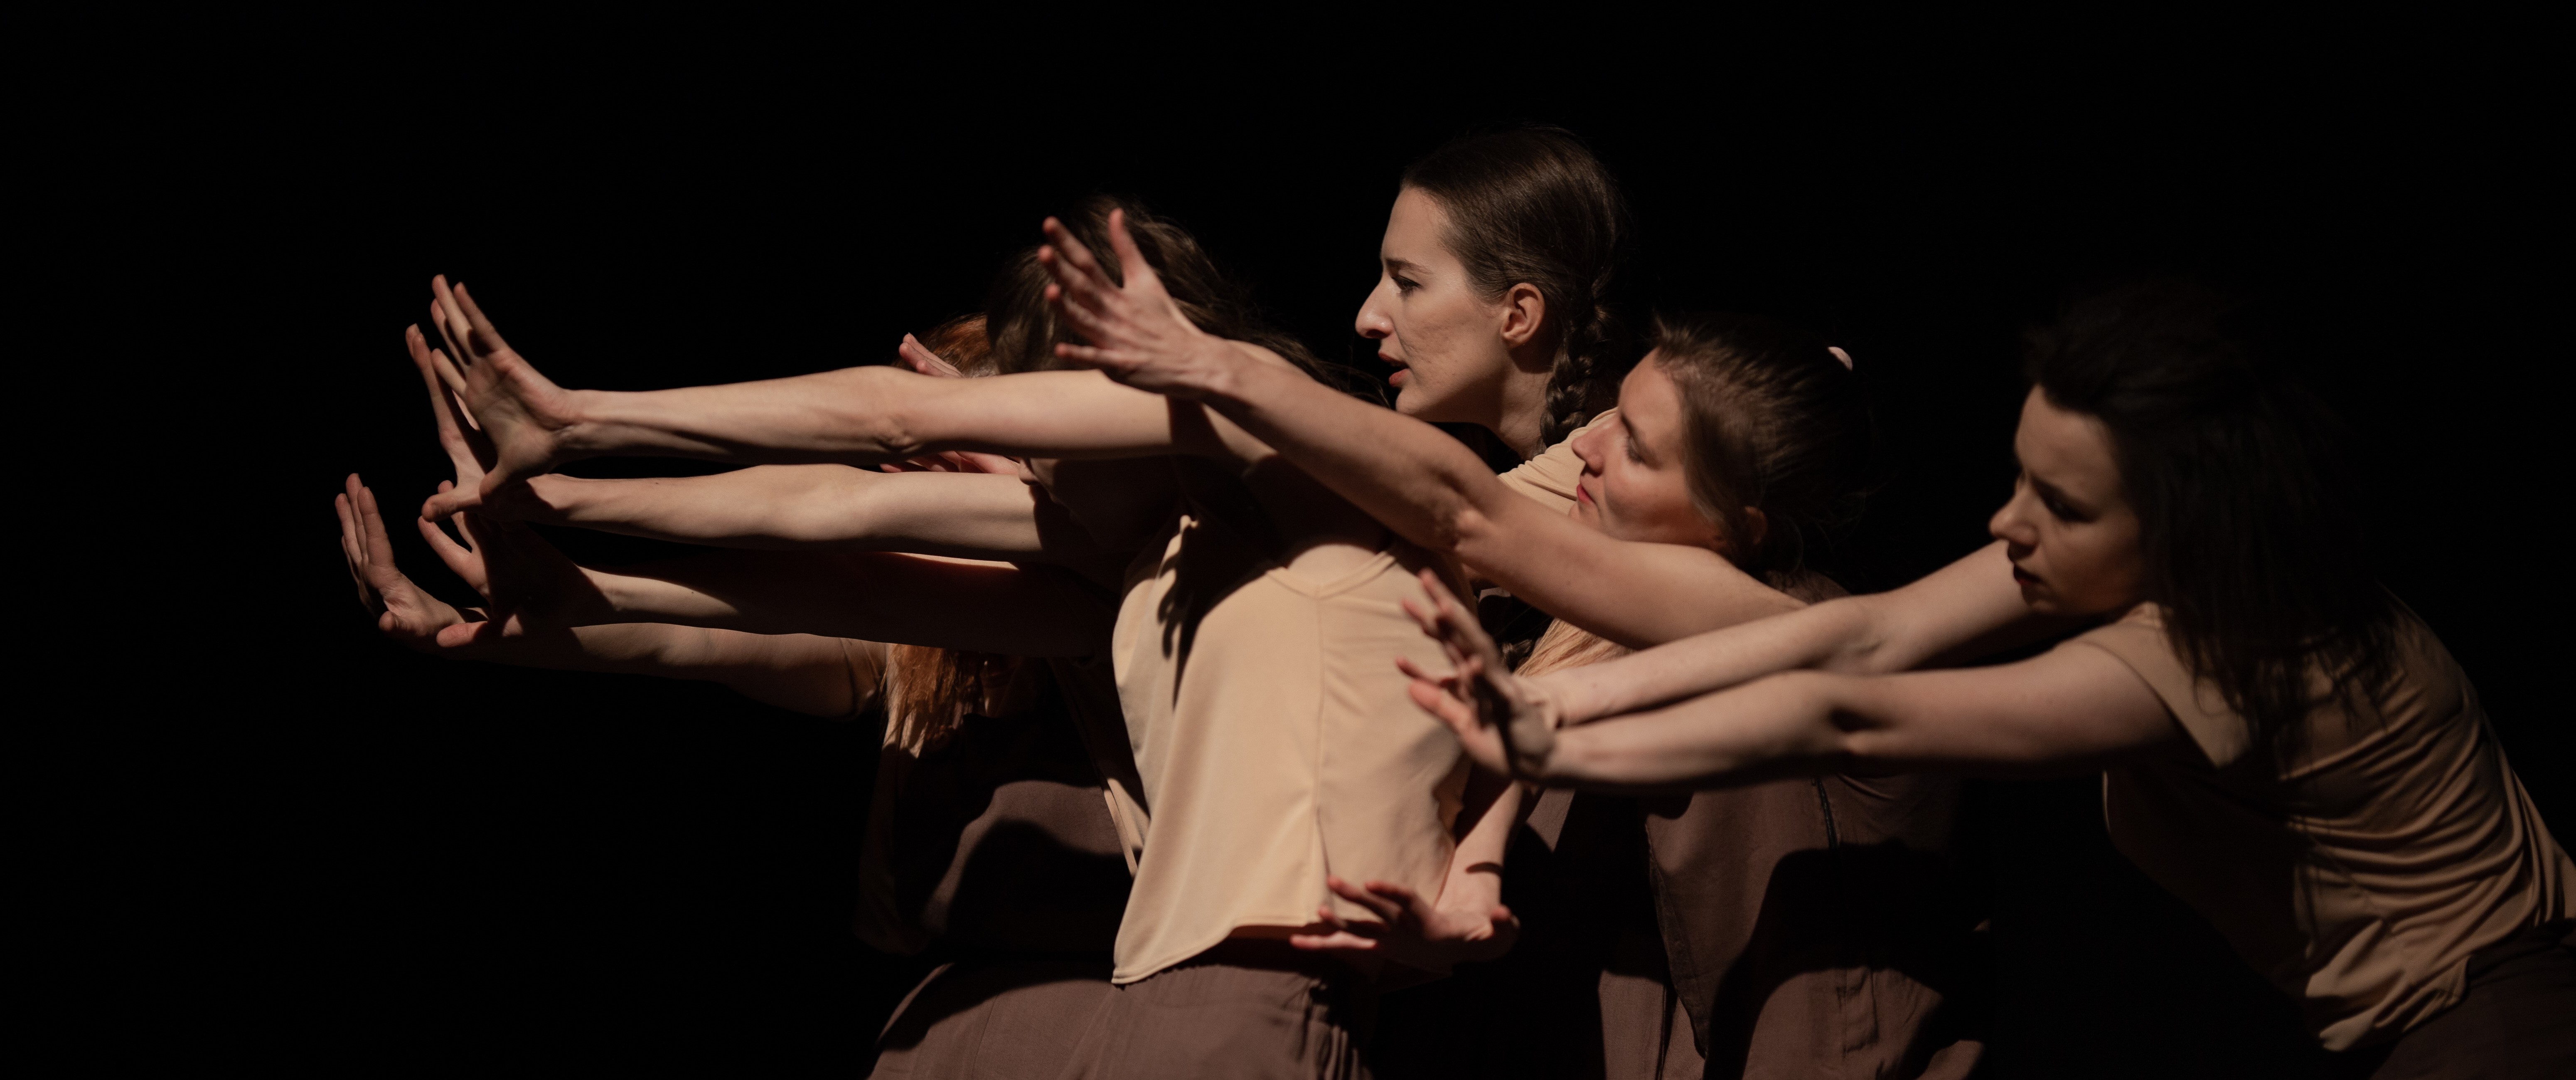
(365,857)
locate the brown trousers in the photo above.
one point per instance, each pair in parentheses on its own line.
(1259,1010)
(993,1019)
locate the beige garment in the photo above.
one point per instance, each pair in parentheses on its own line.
(2361,878)
(1275,741)
(1551,476)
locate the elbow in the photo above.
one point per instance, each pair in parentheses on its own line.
(1462,530)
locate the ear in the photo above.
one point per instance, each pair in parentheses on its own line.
(1524,312)
(1757,528)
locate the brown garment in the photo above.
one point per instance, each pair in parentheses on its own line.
(993,1018)
(2360,876)
(1812,927)
(1257,1010)
(1003,847)
(2517,1020)
(998,841)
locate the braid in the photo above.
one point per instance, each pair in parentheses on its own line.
(1590,363)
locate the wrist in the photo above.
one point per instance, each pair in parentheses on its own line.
(592,413)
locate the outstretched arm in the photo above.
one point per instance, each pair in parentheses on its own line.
(1965,611)
(878,596)
(970,515)
(815,675)
(1406,473)
(864,416)
(2070,710)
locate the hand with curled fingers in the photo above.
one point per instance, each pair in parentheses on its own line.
(1506,723)
(1410,930)
(915,357)
(1139,335)
(524,417)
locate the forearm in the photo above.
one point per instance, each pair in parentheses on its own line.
(1827,635)
(1474,883)
(918,600)
(850,415)
(801,506)
(1410,476)
(818,676)
(1783,725)
(875,415)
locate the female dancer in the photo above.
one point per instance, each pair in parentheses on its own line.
(1734,443)
(1275,755)
(2285,745)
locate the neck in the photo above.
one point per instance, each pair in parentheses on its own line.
(1523,418)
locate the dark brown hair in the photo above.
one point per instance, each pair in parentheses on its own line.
(1772,420)
(1024,329)
(1533,205)
(2249,529)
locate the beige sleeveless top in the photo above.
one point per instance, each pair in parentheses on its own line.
(1274,740)
(2361,878)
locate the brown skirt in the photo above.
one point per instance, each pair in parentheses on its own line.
(993,1019)
(1258,1010)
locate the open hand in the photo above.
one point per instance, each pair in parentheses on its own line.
(1410,930)
(1506,723)
(1138,333)
(404,612)
(523,416)
(531,587)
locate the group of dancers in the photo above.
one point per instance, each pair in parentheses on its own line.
(1222,699)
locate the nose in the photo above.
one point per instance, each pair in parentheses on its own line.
(2012,524)
(1587,447)
(1373,323)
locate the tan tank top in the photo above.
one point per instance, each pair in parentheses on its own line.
(2362,877)
(1274,740)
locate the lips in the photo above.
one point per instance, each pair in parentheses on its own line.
(1398,377)
(2024,577)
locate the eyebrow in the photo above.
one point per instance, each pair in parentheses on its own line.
(1394,265)
(2058,493)
(1636,445)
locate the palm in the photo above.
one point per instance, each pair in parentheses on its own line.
(403,611)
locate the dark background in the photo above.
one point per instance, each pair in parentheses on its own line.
(329,852)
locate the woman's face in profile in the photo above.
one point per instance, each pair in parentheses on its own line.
(1633,485)
(1445,341)
(2069,529)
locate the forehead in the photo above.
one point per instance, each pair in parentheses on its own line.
(1413,228)
(1648,398)
(2068,450)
